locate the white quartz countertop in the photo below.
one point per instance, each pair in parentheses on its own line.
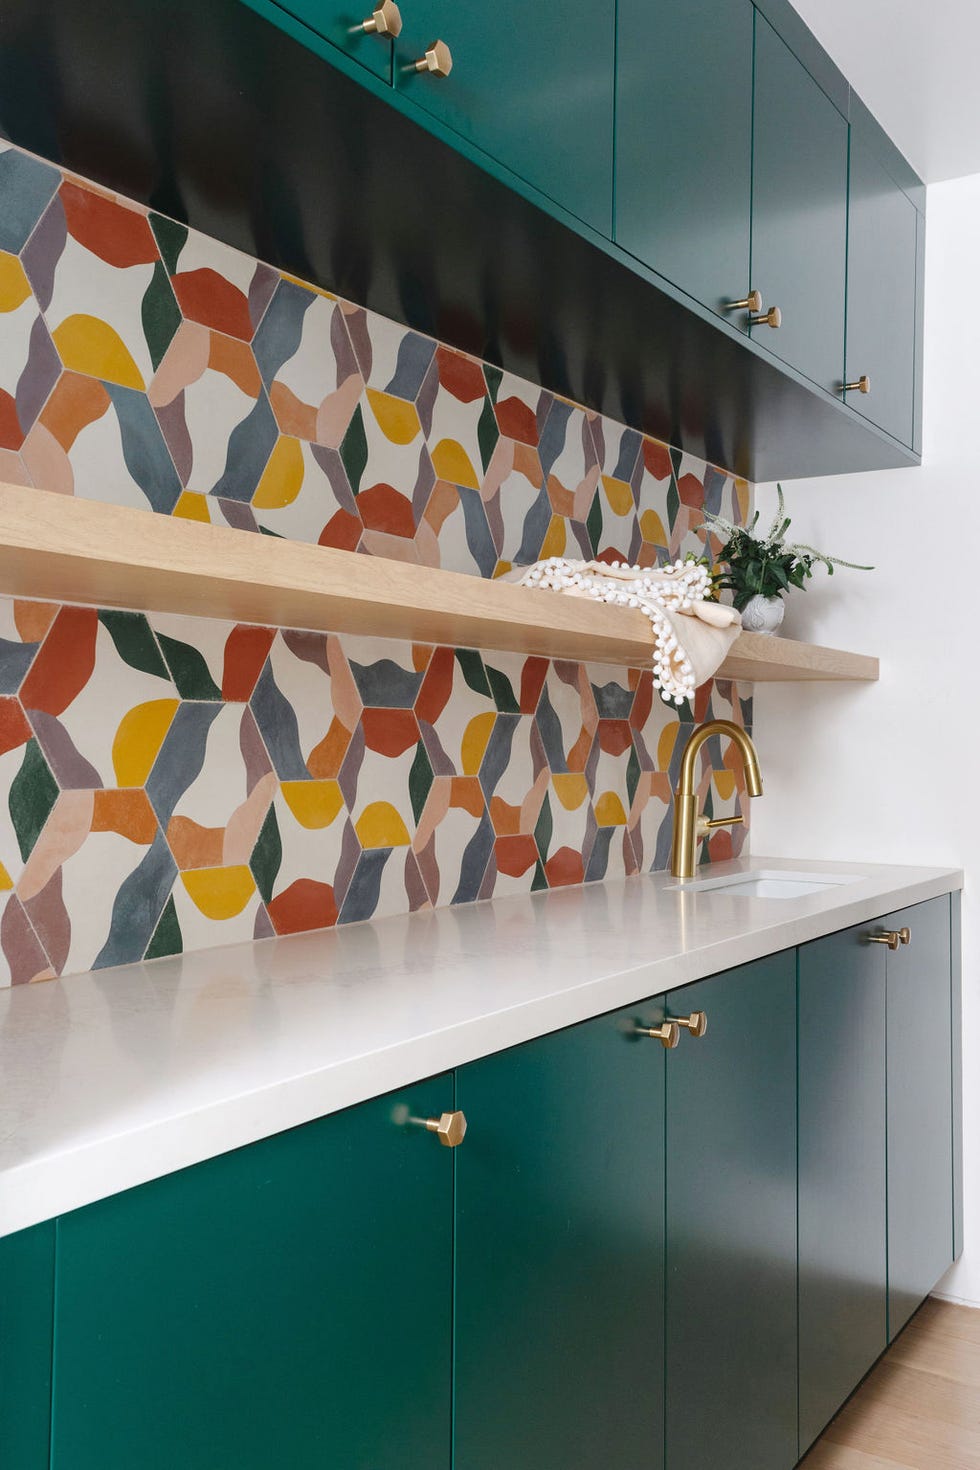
(115,1077)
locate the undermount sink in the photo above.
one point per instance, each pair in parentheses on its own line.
(767,883)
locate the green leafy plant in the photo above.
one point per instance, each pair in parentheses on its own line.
(753,566)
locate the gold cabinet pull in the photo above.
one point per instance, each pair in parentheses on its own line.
(892,937)
(696,1023)
(450,1128)
(752,302)
(862,385)
(771,318)
(438,60)
(386,20)
(669,1033)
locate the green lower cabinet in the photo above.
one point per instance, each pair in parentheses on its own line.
(287,1304)
(26,1305)
(559,1252)
(731,1324)
(842,1186)
(637,1259)
(920,1113)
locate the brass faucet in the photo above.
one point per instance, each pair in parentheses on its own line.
(689,828)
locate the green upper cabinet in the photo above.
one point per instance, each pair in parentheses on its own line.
(731,1325)
(287,1304)
(340,22)
(559,1252)
(531,86)
(881,293)
(920,1112)
(842,1244)
(684,142)
(799,212)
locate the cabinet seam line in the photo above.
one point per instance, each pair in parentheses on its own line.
(615,117)
(453,1294)
(755,48)
(56,1247)
(799,1436)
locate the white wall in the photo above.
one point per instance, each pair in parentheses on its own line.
(885,772)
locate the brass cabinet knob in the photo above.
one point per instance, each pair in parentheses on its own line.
(669,1033)
(386,20)
(438,60)
(771,318)
(905,935)
(752,302)
(862,385)
(696,1023)
(891,937)
(450,1128)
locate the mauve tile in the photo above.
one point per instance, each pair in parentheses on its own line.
(20,947)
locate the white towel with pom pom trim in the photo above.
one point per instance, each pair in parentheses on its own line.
(691,634)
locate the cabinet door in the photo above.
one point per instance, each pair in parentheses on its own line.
(684,142)
(531,85)
(559,1252)
(338,21)
(799,212)
(920,1116)
(731,1326)
(26,1300)
(843,1273)
(287,1304)
(881,292)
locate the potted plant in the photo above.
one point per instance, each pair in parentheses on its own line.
(759,570)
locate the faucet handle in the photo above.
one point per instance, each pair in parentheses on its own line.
(707,824)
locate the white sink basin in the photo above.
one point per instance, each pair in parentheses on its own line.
(767,883)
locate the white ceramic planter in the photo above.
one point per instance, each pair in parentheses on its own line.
(763,614)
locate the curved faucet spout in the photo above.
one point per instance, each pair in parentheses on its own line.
(688,829)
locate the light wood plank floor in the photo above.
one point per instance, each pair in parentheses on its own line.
(919,1409)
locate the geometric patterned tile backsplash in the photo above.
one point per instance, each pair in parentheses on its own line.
(170,783)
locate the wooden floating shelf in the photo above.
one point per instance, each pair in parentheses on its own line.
(63,549)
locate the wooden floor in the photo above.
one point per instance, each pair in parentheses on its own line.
(920,1407)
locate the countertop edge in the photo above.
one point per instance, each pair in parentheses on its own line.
(56,1182)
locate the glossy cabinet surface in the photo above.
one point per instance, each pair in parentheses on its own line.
(684,143)
(920,1113)
(339,22)
(799,212)
(530,86)
(843,1284)
(286,1304)
(881,293)
(731,1223)
(559,1252)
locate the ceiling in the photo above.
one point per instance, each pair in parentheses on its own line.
(914,63)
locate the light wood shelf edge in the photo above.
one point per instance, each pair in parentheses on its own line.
(59,548)
(776,660)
